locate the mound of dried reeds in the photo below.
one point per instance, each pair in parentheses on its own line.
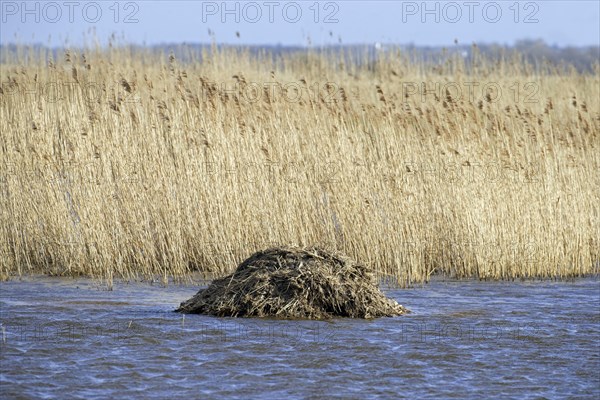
(289,282)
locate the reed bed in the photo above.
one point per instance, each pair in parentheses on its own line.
(122,164)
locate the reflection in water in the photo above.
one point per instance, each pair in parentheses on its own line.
(463,339)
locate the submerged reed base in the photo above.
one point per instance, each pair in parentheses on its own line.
(290,283)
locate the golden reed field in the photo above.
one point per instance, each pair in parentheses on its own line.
(123,164)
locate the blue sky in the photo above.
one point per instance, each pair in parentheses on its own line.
(564,23)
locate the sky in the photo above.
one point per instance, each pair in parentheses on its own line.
(300,23)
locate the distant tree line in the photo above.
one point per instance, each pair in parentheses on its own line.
(535,52)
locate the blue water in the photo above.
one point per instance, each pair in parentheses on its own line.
(463,340)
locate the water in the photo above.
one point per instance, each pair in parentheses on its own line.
(463,340)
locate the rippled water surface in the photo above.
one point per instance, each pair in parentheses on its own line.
(463,340)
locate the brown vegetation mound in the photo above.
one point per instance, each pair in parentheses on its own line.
(287,282)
